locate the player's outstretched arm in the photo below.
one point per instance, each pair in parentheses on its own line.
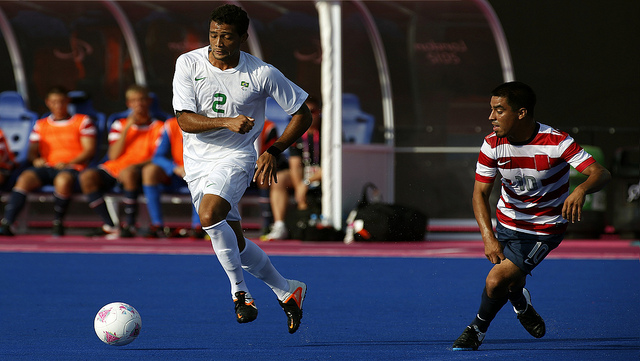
(598,177)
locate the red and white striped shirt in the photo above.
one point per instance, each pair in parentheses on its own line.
(535,178)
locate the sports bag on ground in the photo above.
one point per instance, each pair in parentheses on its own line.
(383,222)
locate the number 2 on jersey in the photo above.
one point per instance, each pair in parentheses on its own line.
(219,100)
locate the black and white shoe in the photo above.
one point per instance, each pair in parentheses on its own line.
(530,319)
(470,339)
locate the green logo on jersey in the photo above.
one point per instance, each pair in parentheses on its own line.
(198,79)
(244,84)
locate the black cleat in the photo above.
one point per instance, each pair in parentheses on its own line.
(5,230)
(292,304)
(246,310)
(470,339)
(109,232)
(58,229)
(157,232)
(127,232)
(530,319)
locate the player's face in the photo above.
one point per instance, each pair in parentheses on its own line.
(225,43)
(503,118)
(138,103)
(57,104)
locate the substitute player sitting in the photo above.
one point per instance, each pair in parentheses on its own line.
(60,146)
(132,141)
(535,206)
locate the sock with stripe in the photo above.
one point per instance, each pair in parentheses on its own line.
(60,206)
(130,201)
(96,202)
(488,310)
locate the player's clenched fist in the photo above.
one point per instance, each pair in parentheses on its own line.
(241,124)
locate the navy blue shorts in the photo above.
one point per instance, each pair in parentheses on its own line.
(48,174)
(526,250)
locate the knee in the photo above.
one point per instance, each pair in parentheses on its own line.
(27,181)
(63,182)
(89,181)
(496,286)
(151,174)
(210,217)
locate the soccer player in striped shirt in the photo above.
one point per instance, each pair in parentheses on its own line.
(534,208)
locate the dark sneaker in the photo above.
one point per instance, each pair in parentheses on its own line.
(292,304)
(58,229)
(246,310)
(470,339)
(530,319)
(108,232)
(127,232)
(5,230)
(157,232)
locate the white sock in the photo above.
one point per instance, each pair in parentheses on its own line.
(225,245)
(257,263)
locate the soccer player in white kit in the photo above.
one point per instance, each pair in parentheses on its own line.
(219,96)
(535,205)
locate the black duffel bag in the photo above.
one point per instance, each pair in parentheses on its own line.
(383,222)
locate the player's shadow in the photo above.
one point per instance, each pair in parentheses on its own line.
(595,344)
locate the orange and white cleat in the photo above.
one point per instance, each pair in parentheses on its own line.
(292,304)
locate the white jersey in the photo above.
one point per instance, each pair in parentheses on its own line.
(535,178)
(202,88)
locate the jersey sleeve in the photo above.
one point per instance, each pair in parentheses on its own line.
(487,166)
(34,136)
(575,155)
(87,127)
(286,93)
(184,95)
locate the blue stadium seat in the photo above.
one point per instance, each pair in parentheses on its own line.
(12,107)
(357,126)
(17,134)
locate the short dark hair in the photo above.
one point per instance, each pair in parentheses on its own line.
(519,95)
(231,15)
(58,89)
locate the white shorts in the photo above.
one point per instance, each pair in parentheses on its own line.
(226,180)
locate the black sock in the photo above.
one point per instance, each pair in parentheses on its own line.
(60,206)
(15,205)
(518,300)
(488,310)
(130,207)
(96,202)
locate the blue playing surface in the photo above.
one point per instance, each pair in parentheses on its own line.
(357,308)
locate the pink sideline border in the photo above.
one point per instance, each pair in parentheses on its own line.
(569,249)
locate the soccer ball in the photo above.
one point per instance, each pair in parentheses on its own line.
(117,324)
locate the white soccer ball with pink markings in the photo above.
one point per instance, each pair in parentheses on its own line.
(117,324)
